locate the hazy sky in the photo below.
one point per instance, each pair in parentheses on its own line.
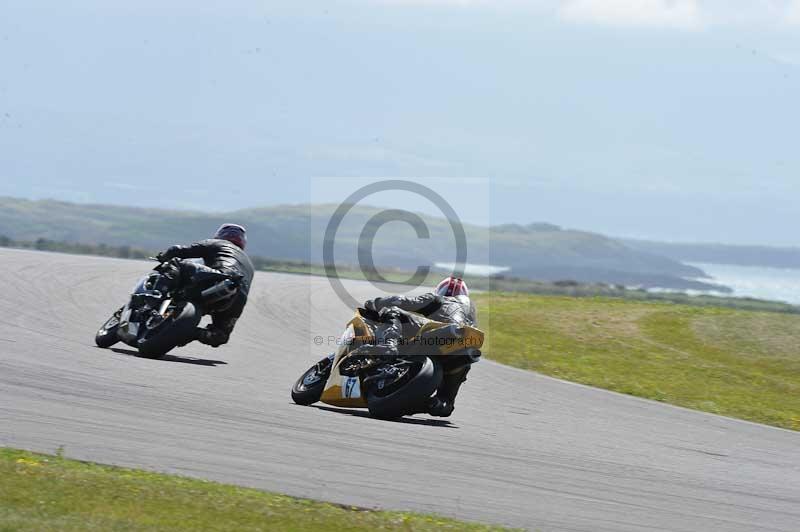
(674,120)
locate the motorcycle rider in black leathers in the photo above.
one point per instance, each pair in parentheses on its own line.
(400,318)
(222,254)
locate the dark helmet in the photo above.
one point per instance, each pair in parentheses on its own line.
(452,287)
(233,233)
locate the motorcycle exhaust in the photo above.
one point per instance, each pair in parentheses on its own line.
(218,292)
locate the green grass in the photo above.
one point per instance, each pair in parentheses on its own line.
(50,493)
(732,362)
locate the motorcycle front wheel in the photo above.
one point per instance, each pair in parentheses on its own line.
(407,395)
(107,334)
(309,387)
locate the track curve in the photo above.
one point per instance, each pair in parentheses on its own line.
(521,449)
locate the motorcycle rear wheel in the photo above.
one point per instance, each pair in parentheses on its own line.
(410,398)
(180,330)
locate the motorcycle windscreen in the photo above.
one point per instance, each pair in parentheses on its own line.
(140,287)
(128,331)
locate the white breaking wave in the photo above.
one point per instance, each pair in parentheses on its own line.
(478,270)
(776,284)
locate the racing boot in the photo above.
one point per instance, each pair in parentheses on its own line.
(443,403)
(388,337)
(387,340)
(366,356)
(212,336)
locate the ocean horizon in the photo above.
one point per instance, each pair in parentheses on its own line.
(775,284)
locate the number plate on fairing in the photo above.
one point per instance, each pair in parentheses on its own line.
(351,388)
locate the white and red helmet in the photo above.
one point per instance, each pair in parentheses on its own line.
(233,233)
(452,287)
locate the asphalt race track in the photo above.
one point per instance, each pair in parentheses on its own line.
(521,449)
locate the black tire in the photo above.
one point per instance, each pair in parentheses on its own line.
(107,334)
(179,331)
(410,398)
(309,387)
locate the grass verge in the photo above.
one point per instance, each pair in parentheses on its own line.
(736,363)
(51,493)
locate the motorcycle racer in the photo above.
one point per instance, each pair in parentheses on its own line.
(222,254)
(400,318)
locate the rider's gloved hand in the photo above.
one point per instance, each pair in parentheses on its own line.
(166,255)
(389,313)
(373,305)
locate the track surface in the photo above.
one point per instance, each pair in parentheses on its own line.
(521,449)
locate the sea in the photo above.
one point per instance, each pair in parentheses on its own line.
(775,284)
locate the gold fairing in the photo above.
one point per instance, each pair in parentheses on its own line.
(434,338)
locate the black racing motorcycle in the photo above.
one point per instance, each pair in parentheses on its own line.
(165,310)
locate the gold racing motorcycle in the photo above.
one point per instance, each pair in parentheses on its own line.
(389,386)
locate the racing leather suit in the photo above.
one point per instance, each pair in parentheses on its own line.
(219,257)
(400,318)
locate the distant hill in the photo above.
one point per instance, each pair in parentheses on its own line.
(769,256)
(295,232)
